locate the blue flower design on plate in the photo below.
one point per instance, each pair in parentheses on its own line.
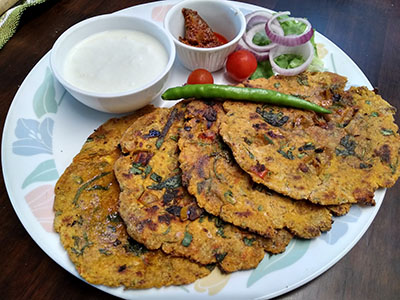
(294,251)
(34,137)
(340,226)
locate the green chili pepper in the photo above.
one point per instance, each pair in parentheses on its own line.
(215,91)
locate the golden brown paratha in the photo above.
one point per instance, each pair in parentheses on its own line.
(158,210)
(91,230)
(328,159)
(225,190)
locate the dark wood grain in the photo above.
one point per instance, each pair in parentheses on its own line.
(367,30)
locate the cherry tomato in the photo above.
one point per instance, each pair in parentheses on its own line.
(200,76)
(221,38)
(241,64)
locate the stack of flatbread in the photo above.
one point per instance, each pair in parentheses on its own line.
(205,184)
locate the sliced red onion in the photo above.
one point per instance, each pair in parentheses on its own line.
(261,20)
(257,17)
(277,15)
(242,45)
(288,40)
(260,55)
(248,38)
(305,50)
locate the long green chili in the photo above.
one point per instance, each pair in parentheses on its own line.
(216,91)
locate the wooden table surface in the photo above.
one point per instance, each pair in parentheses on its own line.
(367,30)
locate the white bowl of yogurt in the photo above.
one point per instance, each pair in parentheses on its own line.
(113,63)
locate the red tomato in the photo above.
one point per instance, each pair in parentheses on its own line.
(221,38)
(200,76)
(241,64)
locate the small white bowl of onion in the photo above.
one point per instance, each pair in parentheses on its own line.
(113,63)
(279,42)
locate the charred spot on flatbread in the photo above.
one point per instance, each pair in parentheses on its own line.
(339,210)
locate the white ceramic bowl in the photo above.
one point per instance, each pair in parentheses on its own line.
(113,102)
(222,16)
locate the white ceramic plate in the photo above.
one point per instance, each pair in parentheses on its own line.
(46,127)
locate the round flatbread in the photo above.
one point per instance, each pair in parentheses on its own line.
(158,210)
(223,189)
(93,233)
(343,157)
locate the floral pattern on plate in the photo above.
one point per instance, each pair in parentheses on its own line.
(31,126)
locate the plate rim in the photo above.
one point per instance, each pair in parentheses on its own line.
(35,234)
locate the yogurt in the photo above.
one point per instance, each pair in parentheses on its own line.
(115,61)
